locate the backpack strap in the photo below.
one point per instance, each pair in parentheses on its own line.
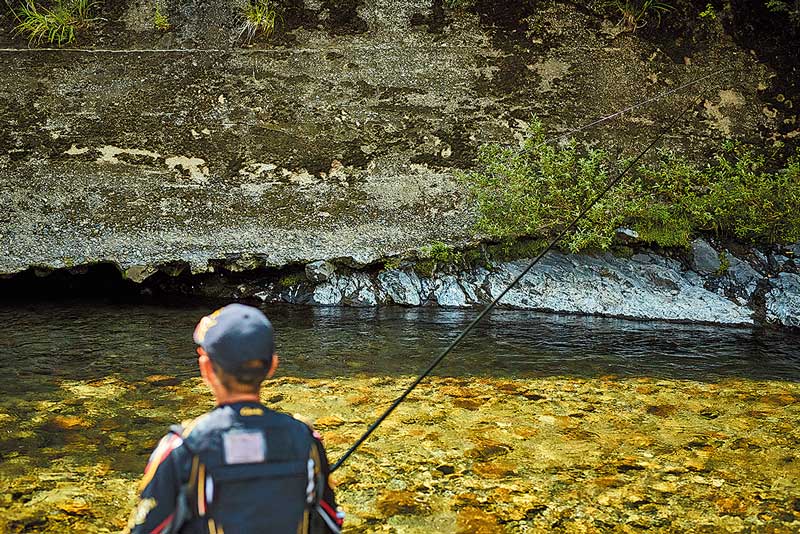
(321,522)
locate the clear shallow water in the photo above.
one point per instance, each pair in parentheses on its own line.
(535,424)
(84,340)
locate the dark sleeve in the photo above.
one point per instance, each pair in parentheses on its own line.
(159,488)
(327,508)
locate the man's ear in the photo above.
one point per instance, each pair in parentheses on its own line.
(273,366)
(206,369)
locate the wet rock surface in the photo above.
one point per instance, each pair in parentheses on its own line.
(783,300)
(647,285)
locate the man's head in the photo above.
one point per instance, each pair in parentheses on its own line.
(236,348)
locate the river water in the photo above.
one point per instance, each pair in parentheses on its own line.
(537,423)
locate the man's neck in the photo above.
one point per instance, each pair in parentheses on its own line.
(231,398)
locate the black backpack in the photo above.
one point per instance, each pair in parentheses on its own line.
(250,475)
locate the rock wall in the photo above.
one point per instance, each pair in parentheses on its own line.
(337,140)
(333,141)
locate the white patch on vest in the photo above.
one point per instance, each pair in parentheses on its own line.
(209,490)
(244,447)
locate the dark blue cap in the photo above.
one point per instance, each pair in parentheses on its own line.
(235,334)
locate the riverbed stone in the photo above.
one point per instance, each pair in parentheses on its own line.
(320,271)
(705,259)
(402,287)
(746,278)
(783,300)
(449,293)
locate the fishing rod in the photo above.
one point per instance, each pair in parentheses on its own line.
(516,280)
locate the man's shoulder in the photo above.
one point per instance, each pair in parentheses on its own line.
(221,417)
(169,449)
(226,416)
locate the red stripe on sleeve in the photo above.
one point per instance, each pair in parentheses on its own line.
(164,524)
(331,512)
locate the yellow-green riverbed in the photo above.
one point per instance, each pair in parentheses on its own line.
(478,449)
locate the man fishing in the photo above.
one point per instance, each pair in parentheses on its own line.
(240,468)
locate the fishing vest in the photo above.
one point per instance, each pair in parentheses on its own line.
(252,470)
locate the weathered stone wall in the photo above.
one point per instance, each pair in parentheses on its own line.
(335,140)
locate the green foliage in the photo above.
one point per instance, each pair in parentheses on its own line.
(637,13)
(258,17)
(435,256)
(709,13)
(56,24)
(535,191)
(438,256)
(425,268)
(724,263)
(442,253)
(512,249)
(746,201)
(160,20)
(392,263)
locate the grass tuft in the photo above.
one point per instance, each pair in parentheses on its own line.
(259,17)
(56,25)
(160,20)
(636,13)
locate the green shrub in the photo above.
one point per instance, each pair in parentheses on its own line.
(258,17)
(56,24)
(748,202)
(536,190)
